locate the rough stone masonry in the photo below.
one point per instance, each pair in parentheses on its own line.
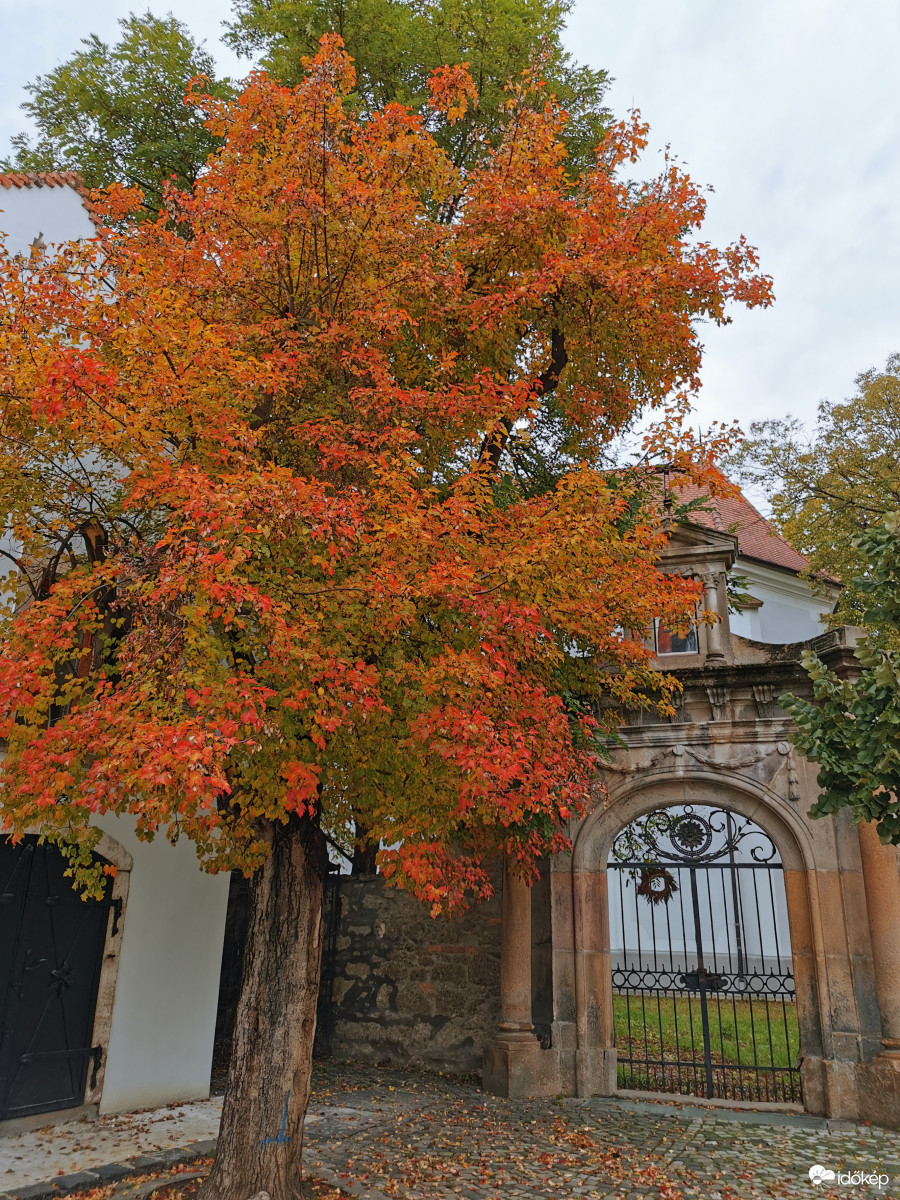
(411,989)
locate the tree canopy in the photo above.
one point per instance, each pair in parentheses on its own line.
(397,44)
(830,485)
(116,114)
(851,728)
(273,570)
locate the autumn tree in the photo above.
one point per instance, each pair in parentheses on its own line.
(851,727)
(272,570)
(829,484)
(116,114)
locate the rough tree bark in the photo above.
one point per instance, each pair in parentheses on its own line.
(260,1140)
(365,853)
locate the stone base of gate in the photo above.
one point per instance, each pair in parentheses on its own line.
(879,1090)
(595,1073)
(521,1071)
(830,1088)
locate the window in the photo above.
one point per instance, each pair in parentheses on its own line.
(667,641)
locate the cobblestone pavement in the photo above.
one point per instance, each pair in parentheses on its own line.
(427,1137)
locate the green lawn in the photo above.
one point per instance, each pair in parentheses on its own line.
(742,1033)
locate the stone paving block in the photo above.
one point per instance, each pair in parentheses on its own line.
(77,1181)
(113,1172)
(36,1191)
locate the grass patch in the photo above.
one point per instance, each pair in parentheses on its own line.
(667,1030)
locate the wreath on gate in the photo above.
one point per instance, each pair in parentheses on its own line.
(657,885)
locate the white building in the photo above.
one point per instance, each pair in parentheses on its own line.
(789,609)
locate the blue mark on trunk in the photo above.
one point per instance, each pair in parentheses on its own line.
(281,1139)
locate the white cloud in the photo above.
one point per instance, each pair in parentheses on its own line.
(790,110)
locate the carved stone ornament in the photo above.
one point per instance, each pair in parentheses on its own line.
(718,700)
(764,695)
(769,762)
(734,761)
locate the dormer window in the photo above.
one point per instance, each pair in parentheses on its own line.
(668,641)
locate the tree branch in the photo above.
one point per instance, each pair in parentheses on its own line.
(497,440)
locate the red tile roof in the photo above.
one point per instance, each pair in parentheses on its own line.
(20,179)
(50,179)
(756,537)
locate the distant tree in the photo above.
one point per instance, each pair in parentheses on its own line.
(116,114)
(851,728)
(397,44)
(828,486)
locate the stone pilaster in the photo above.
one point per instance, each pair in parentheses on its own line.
(881,878)
(513,1063)
(880,1098)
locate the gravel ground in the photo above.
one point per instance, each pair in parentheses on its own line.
(382,1132)
(424,1137)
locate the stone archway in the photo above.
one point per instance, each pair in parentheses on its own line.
(595,1057)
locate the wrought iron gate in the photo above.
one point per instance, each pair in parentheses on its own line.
(51,949)
(703,985)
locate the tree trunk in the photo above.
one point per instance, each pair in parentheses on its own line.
(261,1137)
(364,852)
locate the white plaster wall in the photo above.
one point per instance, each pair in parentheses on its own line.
(790,610)
(164,1013)
(56,212)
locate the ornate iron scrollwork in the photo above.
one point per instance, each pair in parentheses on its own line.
(694,835)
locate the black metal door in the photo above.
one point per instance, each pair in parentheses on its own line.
(703,985)
(51,950)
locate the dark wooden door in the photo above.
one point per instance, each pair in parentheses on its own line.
(51,951)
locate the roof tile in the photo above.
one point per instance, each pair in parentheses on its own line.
(756,537)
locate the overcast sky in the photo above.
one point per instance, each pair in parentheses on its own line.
(789,109)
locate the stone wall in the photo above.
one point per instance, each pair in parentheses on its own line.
(410,989)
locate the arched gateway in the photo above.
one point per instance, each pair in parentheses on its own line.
(706,936)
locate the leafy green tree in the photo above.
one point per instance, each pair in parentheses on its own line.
(829,486)
(852,727)
(117,113)
(397,44)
